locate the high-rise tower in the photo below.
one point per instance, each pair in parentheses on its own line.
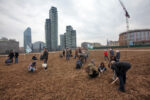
(27,38)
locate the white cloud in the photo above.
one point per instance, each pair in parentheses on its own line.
(94,20)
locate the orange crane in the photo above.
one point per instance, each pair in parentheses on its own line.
(126,14)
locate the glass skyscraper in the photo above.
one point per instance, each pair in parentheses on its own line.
(27,38)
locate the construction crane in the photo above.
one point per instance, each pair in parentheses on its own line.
(126,14)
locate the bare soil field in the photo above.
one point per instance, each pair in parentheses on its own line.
(62,81)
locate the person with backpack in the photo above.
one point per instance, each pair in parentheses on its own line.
(120,69)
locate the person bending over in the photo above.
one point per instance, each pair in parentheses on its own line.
(120,69)
(92,70)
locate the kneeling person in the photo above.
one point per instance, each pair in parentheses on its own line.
(78,64)
(92,70)
(32,67)
(101,67)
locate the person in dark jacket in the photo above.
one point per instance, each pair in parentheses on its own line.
(111,53)
(117,55)
(63,52)
(16,57)
(45,55)
(120,69)
(10,57)
(78,64)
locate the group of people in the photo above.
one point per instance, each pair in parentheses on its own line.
(112,55)
(119,69)
(12,56)
(44,56)
(80,53)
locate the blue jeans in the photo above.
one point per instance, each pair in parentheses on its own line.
(16,60)
(67,57)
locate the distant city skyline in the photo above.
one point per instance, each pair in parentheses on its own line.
(94,20)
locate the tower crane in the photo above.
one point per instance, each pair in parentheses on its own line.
(126,14)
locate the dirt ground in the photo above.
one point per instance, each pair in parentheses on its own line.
(62,81)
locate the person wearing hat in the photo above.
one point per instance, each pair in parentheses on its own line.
(120,69)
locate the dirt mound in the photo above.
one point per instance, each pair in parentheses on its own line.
(62,81)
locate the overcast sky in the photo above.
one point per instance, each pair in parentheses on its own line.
(93,20)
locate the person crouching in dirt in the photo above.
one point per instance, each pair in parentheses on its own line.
(117,55)
(92,70)
(45,57)
(32,67)
(120,69)
(78,64)
(101,67)
(113,58)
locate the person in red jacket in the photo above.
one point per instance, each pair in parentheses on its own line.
(106,55)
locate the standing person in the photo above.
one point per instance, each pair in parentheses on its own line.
(117,55)
(120,69)
(111,53)
(45,57)
(16,57)
(106,55)
(63,52)
(70,52)
(76,53)
(67,54)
